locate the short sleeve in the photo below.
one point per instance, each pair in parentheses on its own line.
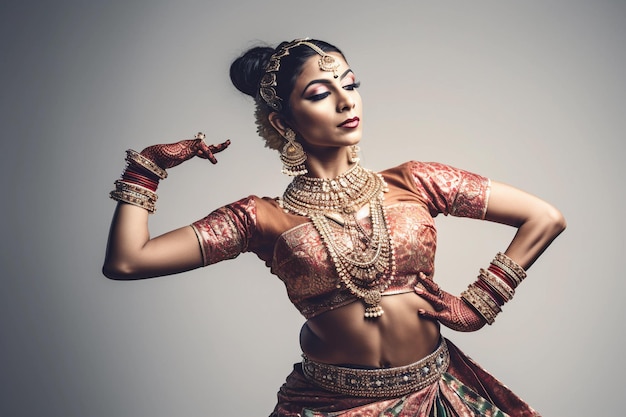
(226,232)
(450,190)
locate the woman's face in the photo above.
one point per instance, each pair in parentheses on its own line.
(326,111)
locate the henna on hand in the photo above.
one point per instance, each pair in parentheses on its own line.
(172,154)
(450,310)
(206,151)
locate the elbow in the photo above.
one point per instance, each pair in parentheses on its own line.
(555,221)
(118,272)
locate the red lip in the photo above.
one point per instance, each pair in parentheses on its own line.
(350,123)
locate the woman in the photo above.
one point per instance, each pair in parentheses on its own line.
(354,248)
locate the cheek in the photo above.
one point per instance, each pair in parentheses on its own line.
(313,120)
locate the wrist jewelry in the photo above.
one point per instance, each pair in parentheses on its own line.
(142,161)
(139,182)
(494,287)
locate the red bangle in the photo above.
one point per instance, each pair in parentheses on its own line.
(132,175)
(141,170)
(486,288)
(139,178)
(139,181)
(502,275)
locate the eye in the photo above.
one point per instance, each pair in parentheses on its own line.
(352,86)
(318,97)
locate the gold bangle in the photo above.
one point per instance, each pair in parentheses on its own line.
(134,199)
(139,159)
(497,284)
(121,185)
(512,266)
(486,298)
(473,297)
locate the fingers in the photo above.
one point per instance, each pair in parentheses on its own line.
(429,284)
(220,147)
(433,299)
(429,315)
(206,151)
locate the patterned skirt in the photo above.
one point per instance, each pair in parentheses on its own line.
(446,383)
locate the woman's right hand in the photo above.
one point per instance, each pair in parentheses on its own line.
(172,154)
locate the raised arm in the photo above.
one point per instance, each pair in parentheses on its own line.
(538,223)
(131,252)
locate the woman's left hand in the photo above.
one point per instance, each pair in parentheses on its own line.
(170,155)
(450,310)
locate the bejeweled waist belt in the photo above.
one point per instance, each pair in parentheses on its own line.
(379,383)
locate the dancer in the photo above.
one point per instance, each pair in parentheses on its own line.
(354,248)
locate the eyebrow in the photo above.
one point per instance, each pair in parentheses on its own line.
(325,80)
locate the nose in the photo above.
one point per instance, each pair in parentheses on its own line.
(345,101)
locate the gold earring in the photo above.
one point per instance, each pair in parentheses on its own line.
(354,154)
(292,155)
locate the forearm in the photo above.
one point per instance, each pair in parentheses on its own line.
(538,223)
(534,236)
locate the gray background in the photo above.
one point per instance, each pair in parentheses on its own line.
(530,93)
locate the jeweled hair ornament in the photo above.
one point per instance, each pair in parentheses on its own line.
(267,88)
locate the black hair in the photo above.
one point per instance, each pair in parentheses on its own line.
(247,70)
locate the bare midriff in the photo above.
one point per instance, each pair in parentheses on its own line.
(398,337)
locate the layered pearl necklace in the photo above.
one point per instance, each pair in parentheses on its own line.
(365,262)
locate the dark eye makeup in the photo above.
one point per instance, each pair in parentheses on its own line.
(321,96)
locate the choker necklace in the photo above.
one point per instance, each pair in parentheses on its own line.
(364,261)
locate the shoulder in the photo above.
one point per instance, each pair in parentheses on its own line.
(444,188)
(255,202)
(420,172)
(420,167)
(415,173)
(263,203)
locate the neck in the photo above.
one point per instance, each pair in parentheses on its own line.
(328,163)
(344,194)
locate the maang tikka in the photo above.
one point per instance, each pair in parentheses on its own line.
(267,87)
(292,155)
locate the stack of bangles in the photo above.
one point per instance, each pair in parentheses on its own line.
(494,287)
(139,182)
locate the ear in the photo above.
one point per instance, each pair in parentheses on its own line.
(278,122)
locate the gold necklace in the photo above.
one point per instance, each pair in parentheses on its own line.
(365,262)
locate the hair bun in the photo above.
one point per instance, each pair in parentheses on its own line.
(247,70)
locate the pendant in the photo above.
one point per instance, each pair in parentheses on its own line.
(372,304)
(373,312)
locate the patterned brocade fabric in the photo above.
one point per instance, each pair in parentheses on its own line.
(303,264)
(294,251)
(225,233)
(451,191)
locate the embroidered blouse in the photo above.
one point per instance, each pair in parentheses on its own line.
(293,249)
